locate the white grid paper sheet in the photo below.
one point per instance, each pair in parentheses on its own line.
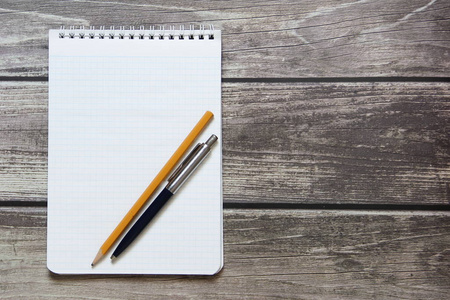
(118,109)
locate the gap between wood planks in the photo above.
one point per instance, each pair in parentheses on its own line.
(282,80)
(284,206)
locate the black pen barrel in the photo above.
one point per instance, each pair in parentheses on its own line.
(143,221)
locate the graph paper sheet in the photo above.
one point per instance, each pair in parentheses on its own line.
(118,109)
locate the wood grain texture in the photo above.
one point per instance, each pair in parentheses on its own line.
(363,143)
(326,38)
(23,136)
(268,254)
(337,143)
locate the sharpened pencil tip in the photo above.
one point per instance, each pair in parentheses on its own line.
(97,258)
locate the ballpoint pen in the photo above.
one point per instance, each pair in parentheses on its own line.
(166,169)
(176,180)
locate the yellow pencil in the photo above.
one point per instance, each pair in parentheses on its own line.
(173,160)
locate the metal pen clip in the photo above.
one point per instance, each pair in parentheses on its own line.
(184,162)
(189,164)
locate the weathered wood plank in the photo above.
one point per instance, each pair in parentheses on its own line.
(325,38)
(268,254)
(369,143)
(23,136)
(337,143)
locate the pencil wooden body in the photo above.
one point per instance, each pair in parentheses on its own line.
(154,184)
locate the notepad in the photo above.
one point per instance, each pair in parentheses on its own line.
(120,103)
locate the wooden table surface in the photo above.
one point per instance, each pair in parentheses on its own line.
(336,149)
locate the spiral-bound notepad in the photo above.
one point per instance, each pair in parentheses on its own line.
(120,103)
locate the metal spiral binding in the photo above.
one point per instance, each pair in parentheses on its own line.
(172,33)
